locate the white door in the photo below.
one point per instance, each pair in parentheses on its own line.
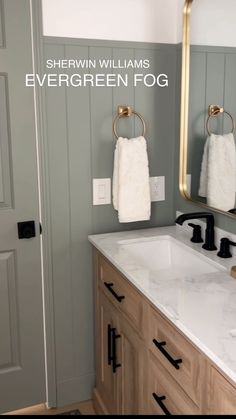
(22,370)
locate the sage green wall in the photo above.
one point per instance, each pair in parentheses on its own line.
(80,146)
(212,81)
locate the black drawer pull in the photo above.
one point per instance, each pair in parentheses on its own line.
(114,357)
(174,362)
(109,287)
(109,344)
(159,401)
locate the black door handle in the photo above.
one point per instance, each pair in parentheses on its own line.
(110,331)
(114,355)
(159,401)
(174,362)
(26,230)
(109,287)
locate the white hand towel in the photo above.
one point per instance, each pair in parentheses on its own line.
(204,171)
(219,172)
(131,187)
(115,188)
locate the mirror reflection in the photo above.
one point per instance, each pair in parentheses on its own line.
(211,164)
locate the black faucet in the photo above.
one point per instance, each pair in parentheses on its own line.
(225,248)
(210,223)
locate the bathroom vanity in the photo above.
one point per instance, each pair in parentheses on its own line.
(165,325)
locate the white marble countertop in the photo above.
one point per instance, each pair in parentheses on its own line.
(203,307)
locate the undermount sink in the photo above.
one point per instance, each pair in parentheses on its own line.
(168,257)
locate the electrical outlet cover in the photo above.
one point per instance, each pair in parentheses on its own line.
(157,187)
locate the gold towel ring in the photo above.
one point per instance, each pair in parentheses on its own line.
(126,111)
(214,110)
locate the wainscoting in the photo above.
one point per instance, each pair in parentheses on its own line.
(80,146)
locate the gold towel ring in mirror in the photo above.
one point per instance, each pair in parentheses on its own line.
(214,110)
(126,111)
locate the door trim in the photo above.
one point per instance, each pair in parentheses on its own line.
(40,117)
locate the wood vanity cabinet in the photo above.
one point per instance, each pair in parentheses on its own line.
(120,361)
(165,396)
(144,364)
(178,356)
(131,373)
(120,350)
(222,394)
(106,379)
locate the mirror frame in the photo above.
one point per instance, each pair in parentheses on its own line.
(185,83)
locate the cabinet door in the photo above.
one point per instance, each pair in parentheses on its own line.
(222,398)
(165,396)
(178,356)
(131,356)
(106,384)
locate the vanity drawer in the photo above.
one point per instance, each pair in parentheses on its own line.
(121,293)
(176,354)
(222,397)
(165,396)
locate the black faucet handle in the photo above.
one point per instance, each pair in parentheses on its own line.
(210,223)
(225,244)
(197,233)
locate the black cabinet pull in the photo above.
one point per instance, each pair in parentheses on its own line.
(109,344)
(159,401)
(174,362)
(109,287)
(114,356)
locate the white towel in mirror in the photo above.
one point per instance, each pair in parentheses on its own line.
(218,172)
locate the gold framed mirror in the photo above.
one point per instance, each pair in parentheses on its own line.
(208,106)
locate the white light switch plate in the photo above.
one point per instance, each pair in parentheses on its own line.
(157,187)
(101,191)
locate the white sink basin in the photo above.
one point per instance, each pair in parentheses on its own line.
(168,257)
